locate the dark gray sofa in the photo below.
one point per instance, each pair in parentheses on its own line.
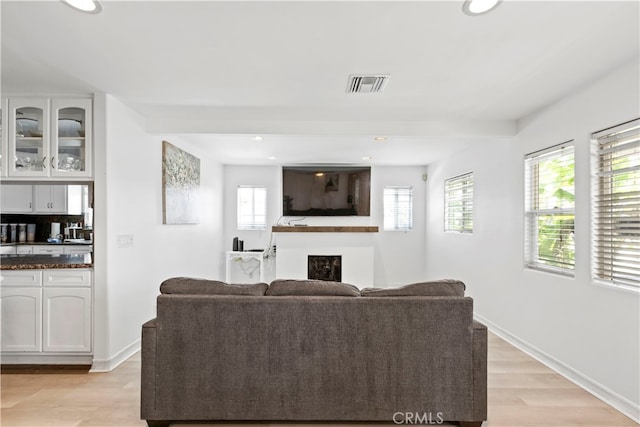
(313,351)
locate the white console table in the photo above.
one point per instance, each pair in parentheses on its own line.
(248,265)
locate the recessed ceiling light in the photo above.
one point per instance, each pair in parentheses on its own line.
(479,7)
(380,138)
(257,138)
(271,158)
(319,174)
(87,6)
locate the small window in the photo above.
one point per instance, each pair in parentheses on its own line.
(252,208)
(616,205)
(398,208)
(458,204)
(550,209)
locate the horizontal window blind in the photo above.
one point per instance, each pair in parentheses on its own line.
(398,208)
(616,205)
(550,209)
(458,204)
(252,208)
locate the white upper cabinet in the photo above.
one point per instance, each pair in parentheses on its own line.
(50,199)
(16,198)
(71,137)
(29,137)
(50,138)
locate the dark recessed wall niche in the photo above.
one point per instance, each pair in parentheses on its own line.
(42,222)
(325,267)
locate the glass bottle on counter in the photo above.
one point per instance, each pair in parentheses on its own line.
(31,232)
(22,233)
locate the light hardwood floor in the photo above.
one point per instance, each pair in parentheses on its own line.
(522,392)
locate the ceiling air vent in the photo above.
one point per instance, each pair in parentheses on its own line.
(373,83)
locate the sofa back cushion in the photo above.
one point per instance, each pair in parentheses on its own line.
(195,286)
(282,287)
(436,288)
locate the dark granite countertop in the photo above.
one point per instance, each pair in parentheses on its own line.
(41,262)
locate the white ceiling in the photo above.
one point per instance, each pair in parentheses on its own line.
(218,72)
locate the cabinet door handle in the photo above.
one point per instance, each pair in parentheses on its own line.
(53,166)
(44,162)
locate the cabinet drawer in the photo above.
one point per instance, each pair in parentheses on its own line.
(22,250)
(80,249)
(21,278)
(47,250)
(71,277)
(9,250)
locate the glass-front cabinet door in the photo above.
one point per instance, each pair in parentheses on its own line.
(71,137)
(4,149)
(28,137)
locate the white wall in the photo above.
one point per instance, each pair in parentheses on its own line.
(590,332)
(398,256)
(128,200)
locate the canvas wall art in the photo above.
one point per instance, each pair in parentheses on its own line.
(180,186)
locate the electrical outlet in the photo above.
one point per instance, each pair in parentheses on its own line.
(124,240)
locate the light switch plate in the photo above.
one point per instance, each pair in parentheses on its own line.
(125,240)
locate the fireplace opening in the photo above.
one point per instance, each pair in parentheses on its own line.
(325,267)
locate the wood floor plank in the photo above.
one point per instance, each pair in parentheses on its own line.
(522,393)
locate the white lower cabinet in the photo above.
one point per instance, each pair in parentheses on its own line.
(66,314)
(46,315)
(21,319)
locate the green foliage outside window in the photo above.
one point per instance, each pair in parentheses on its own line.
(552,204)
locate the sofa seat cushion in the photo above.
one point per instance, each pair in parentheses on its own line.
(436,288)
(283,287)
(195,286)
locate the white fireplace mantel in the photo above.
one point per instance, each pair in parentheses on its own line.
(325,229)
(354,244)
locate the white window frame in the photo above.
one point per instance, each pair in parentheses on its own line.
(248,218)
(537,211)
(615,215)
(458,204)
(398,213)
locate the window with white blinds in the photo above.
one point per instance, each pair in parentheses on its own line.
(398,208)
(252,208)
(616,205)
(550,209)
(458,203)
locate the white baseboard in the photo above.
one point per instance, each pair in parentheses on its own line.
(46,359)
(108,365)
(621,403)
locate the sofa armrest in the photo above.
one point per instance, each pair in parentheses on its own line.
(150,324)
(148,371)
(479,371)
